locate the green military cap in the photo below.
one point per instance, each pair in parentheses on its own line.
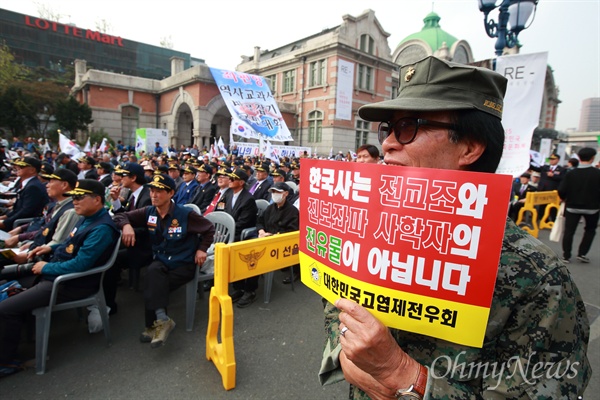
(432,84)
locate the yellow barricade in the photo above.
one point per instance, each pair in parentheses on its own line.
(234,262)
(533,199)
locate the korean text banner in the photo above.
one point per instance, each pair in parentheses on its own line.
(253,109)
(417,247)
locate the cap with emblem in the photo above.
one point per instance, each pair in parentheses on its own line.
(87,186)
(28,162)
(87,160)
(239,174)
(554,156)
(62,174)
(278,172)
(205,168)
(106,166)
(189,169)
(164,182)
(262,167)
(432,84)
(129,169)
(46,168)
(222,172)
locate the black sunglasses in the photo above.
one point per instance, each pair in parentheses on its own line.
(405,129)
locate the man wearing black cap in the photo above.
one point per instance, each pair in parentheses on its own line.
(184,194)
(31,196)
(89,245)
(58,221)
(239,203)
(139,255)
(519,194)
(206,190)
(448,116)
(279,217)
(260,188)
(175,173)
(179,238)
(104,170)
(87,169)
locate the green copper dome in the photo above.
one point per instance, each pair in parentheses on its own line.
(432,34)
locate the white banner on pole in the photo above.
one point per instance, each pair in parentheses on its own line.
(345,84)
(545,149)
(526,74)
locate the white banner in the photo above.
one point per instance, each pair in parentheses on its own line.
(253,150)
(545,149)
(526,74)
(345,84)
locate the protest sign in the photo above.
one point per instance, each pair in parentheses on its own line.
(254,111)
(417,247)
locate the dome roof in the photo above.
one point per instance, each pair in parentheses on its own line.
(432,34)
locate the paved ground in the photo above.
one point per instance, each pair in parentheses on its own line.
(277,345)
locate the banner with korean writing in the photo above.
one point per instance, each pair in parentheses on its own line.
(253,109)
(253,150)
(526,74)
(345,89)
(417,247)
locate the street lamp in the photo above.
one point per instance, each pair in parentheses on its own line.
(512,19)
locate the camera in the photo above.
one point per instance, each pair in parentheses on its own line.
(17,271)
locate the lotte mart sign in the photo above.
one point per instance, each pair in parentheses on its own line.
(419,248)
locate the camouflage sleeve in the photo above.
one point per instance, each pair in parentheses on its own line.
(331,371)
(537,334)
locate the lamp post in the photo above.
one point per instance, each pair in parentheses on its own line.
(512,19)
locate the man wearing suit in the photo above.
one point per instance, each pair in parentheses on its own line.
(87,170)
(260,188)
(139,255)
(206,190)
(239,203)
(31,197)
(187,188)
(105,170)
(551,175)
(519,194)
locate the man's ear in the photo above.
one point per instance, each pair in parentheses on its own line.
(472,151)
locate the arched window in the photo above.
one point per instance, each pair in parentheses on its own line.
(315,126)
(130,121)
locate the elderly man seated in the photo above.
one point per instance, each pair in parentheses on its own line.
(87,247)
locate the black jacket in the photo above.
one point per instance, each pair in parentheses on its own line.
(244,212)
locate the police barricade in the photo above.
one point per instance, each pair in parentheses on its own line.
(234,262)
(534,199)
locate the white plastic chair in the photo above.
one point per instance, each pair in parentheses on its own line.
(292,186)
(43,314)
(224,233)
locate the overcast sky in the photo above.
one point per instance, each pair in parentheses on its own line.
(220,32)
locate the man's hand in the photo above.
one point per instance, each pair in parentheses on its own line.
(38,251)
(38,266)
(200,257)
(114,192)
(128,237)
(11,241)
(370,353)
(15,231)
(262,233)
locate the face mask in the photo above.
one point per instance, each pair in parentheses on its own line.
(277,197)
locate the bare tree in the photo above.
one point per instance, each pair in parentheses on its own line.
(103,26)
(47,12)
(166,42)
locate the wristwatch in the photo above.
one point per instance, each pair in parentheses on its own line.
(416,391)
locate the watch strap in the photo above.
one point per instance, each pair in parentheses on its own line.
(417,389)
